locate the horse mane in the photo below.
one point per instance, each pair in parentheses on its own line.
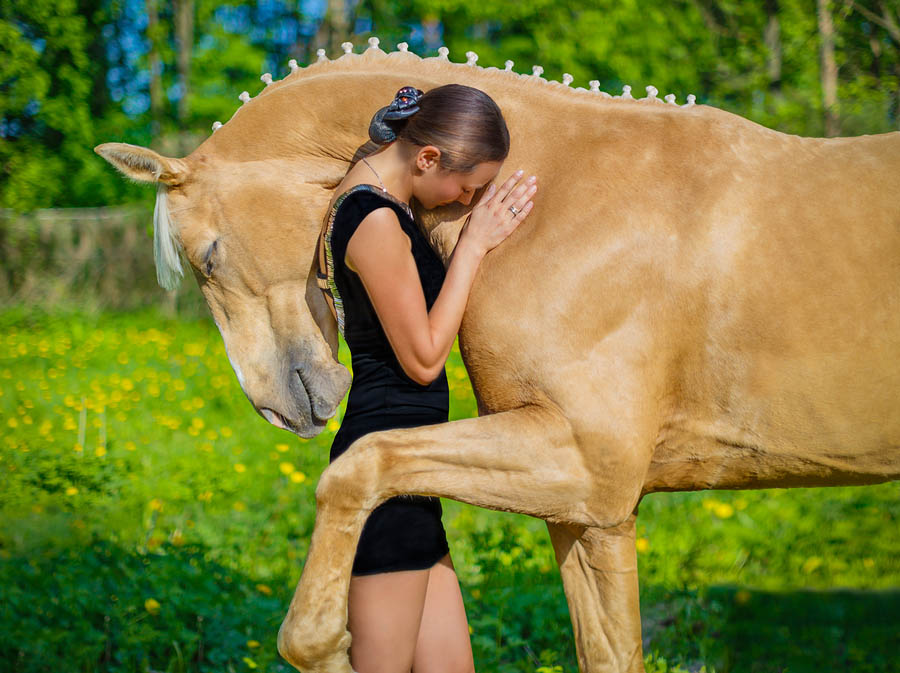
(442,61)
(167,249)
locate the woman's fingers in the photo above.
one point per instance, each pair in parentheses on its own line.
(507,186)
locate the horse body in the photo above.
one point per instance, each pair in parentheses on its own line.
(695,302)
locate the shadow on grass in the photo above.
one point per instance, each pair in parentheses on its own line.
(105,608)
(737,630)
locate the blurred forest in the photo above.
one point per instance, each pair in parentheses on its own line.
(75,73)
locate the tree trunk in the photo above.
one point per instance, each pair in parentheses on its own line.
(828,68)
(184,36)
(334,29)
(154,31)
(772,38)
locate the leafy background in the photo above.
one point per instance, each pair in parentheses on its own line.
(150,521)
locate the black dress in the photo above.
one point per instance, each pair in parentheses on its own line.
(404,532)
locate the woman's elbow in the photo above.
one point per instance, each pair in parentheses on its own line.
(424,375)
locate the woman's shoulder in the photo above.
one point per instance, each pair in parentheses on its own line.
(363,198)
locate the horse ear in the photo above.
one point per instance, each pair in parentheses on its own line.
(143,164)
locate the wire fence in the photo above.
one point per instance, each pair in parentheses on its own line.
(92,258)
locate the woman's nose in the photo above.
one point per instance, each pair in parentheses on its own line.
(465,198)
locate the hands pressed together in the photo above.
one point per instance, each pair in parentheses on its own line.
(499,212)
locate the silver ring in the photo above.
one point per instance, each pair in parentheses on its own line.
(515,211)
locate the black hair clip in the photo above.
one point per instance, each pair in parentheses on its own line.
(405,103)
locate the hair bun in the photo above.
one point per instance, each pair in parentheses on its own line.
(405,104)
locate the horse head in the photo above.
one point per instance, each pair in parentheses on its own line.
(248,230)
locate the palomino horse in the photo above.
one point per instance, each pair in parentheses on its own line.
(695,302)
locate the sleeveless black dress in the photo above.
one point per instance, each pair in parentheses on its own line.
(404,532)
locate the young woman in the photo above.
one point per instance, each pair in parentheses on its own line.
(399,311)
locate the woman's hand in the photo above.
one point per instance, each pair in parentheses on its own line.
(499,212)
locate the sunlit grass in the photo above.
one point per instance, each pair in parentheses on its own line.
(129,431)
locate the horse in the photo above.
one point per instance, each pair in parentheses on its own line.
(695,302)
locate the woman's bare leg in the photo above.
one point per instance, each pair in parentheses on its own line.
(443,645)
(385,610)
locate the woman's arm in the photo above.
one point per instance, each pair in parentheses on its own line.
(379,252)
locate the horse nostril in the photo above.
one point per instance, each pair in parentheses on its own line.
(274,418)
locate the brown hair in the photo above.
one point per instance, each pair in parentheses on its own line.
(464,123)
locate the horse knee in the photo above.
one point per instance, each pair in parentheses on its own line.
(308,646)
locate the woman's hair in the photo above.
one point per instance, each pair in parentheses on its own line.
(464,123)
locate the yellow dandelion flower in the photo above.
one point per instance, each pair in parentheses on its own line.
(869,563)
(252,644)
(71,491)
(152,606)
(122,358)
(811,564)
(239,506)
(178,384)
(282,447)
(212,435)
(78,448)
(642,544)
(207,447)
(298,477)
(226,431)
(197,422)
(333,425)
(12,422)
(100,451)
(286,468)
(130,446)
(250,663)
(127,384)
(206,496)
(264,589)
(723,510)
(156,505)
(240,467)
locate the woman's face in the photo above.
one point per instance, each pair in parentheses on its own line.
(437,187)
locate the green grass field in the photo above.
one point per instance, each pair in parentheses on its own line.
(150,520)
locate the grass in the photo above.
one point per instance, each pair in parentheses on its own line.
(150,520)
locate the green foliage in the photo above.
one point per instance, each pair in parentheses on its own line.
(149,519)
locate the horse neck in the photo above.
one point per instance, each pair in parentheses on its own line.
(322,113)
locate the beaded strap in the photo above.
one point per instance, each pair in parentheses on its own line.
(326,281)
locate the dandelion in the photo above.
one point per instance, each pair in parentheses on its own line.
(811,564)
(240,468)
(252,644)
(156,505)
(642,544)
(279,447)
(71,490)
(206,496)
(250,663)
(239,506)
(130,446)
(298,477)
(264,589)
(286,468)
(226,431)
(100,451)
(723,510)
(151,605)
(12,422)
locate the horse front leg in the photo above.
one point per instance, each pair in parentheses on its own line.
(599,572)
(525,460)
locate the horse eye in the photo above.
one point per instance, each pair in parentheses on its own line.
(207,260)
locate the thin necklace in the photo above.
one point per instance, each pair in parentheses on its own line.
(383,188)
